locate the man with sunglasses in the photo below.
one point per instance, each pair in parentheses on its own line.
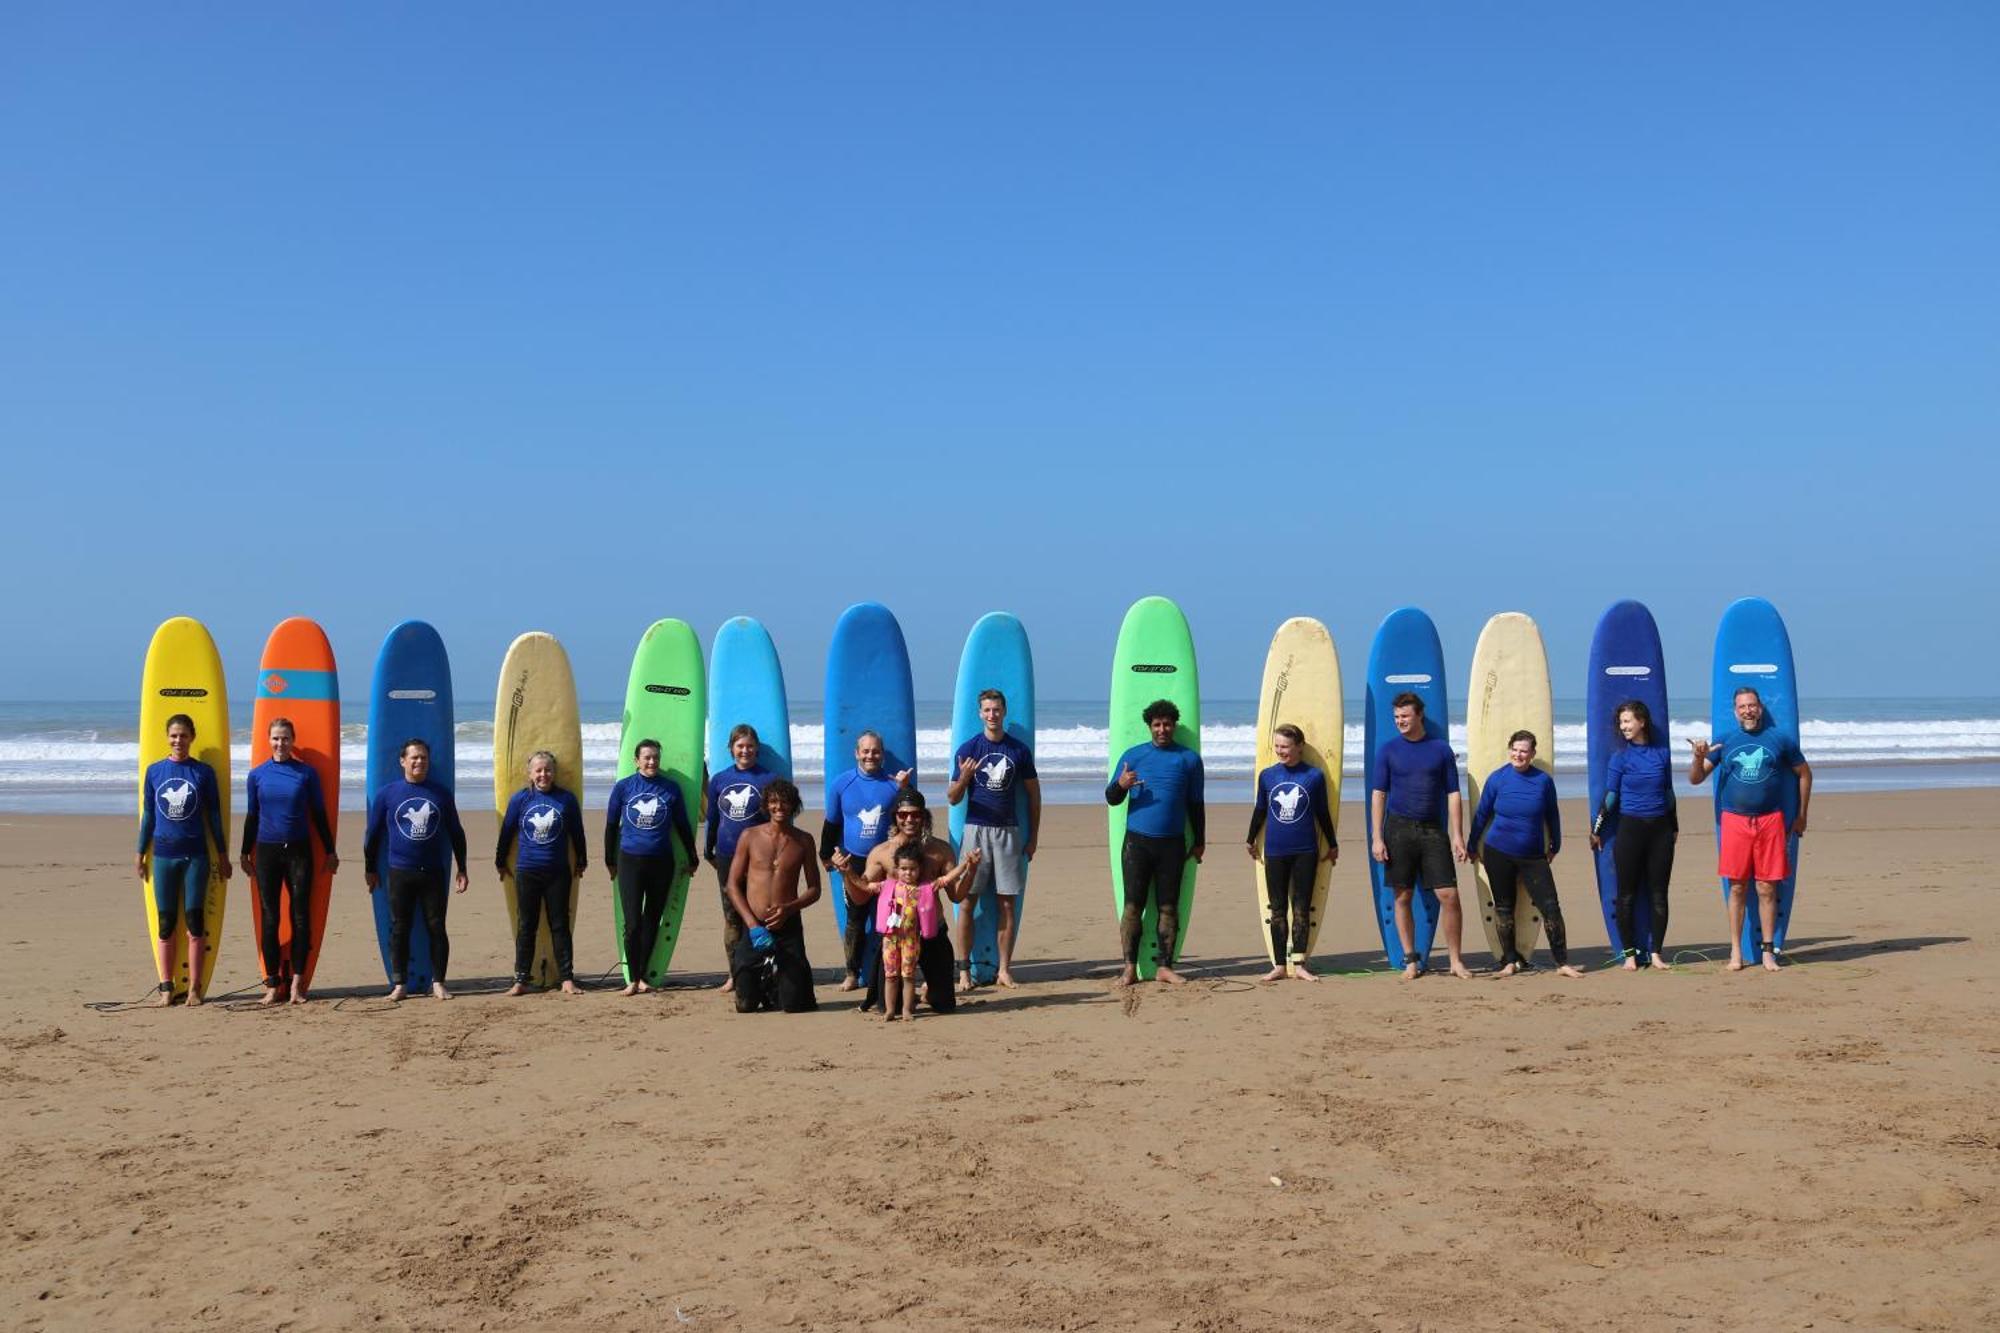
(910,825)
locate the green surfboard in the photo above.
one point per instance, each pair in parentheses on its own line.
(666,699)
(1154,660)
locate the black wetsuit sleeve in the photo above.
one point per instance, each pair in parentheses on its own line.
(686,830)
(215,829)
(1256,822)
(457,832)
(318,807)
(829,841)
(1197,806)
(577,842)
(1326,822)
(711,825)
(371,843)
(508,823)
(1113,793)
(250,814)
(146,819)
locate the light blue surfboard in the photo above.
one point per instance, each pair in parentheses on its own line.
(1752,648)
(868,688)
(409,699)
(996,657)
(1626,663)
(746,683)
(1405,655)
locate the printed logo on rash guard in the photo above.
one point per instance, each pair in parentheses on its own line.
(1288,803)
(176,800)
(542,824)
(645,812)
(997,775)
(418,818)
(1754,765)
(739,802)
(871,819)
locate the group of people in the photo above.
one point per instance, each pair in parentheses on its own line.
(877,847)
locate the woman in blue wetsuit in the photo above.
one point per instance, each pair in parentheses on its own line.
(1639,817)
(180,816)
(547,823)
(1516,832)
(284,806)
(644,808)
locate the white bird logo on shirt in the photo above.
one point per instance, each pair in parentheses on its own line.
(645,810)
(542,824)
(870,818)
(419,819)
(996,773)
(179,797)
(736,801)
(1287,800)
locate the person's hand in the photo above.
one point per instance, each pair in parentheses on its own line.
(1458,850)
(903,778)
(139,865)
(1331,854)
(966,768)
(1380,851)
(1197,851)
(973,858)
(333,863)
(1250,850)
(1028,852)
(1596,843)
(1799,825)
(226,868)
(1554,852)
(841,860)
(774,915)
(249,864)
(760,939)
(372,880)
(463,883)
(1700,749)
(1127,779)
(500,868)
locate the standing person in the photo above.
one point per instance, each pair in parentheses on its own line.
(910,826)
(408,814)
(990,766)
(1293,814)
(735,803)
(1516,832)
(771,966)
(1419,817)
(180,816)
(1163,781)
(1639,815)
(907,914)
(855,803)
(553,856)
(1751,842)
(284,806)
(641,809)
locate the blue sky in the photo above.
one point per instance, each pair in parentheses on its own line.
(513,319)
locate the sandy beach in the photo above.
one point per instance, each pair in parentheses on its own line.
(1685,1150)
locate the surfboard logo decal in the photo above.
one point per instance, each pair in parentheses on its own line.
(1753,668)
(422,696)
(182,692)
(1155,668)
(1628,671)
(1408,678)
(676,690)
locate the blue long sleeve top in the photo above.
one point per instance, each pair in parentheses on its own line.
(416,823)
(544,821)
(735,803)
(1292,811)
(638,816)
(1167,801)
(180,809)
(1517,813)
(1639,781)
(283,801)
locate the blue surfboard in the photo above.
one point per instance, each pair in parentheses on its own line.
(1752,648)
(409,699)
(996,657)
(1626,663)
(1405,655)
(868,688)
(747,684)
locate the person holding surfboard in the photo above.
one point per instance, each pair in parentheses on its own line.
(854,827)
(991,767)
(1418,819)
(1638,815)
(1292,812)
(638,815)
(1751,841)
(910,826)
(1516,832)
(284,806)
(407,817)
(1161,783)
(180,817)
(548,823)
(771,965)
(735,800)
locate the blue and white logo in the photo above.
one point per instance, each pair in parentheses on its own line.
(176,800)
(739,802)
(997,773)
(418,816)
(1288,803)
(646,811)
(1754,765)
(542,823)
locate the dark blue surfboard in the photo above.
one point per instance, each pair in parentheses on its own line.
(996,657)
(868,688)
(1626,663)
(409,699)
(1753,648)
(1405,655)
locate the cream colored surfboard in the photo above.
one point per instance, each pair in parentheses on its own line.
(1301,686)
(535,709)
(1509,693)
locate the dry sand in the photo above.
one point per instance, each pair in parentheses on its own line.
(1687,1150)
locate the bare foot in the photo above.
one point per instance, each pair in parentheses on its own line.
(162,997)
(1275,974)
(850,982)
(1410,970)
(271,994)
(1568,971)
(396,992)
(964,981)
(632,989)
(1004,978)
(299,995)
(728,986)
(1127,977)
(517,989)
(1299,973)
(1170,977)
(1662,963)
(891,1016)
(569,987)
(1507,971)
(910,1014)
(1460,970)
(645,988)
(1771,960)
(438,992)
(194,1000)
(1735,964)
(1631,964)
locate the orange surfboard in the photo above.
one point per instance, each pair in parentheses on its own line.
(296,679)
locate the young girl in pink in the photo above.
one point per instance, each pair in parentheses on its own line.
(907,914)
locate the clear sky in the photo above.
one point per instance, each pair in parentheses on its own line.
(514,318)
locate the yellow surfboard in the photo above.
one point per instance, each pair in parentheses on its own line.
(183,674)
(1509,693)
(1301,686)
(535,709)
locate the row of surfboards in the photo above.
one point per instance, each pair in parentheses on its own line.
(689,706)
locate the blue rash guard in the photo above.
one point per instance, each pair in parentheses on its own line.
(638,815)
(1748,771)
(1292,810)
(1002,764)
(1419,776)
(857,806)
(418,821)
(282,802)
(180,810)
(543,821)
(1521,811)
(735,803)
(1639,781)
(1167,800)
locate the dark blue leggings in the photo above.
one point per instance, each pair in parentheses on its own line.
(180,883)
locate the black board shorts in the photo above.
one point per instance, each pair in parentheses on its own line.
(1419,852)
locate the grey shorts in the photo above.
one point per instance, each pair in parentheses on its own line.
(1001,864)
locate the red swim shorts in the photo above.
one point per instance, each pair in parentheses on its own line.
(1753,847)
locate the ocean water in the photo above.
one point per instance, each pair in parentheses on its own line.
(83,757)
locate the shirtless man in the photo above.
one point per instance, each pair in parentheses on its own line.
(910,824)
(770,964)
